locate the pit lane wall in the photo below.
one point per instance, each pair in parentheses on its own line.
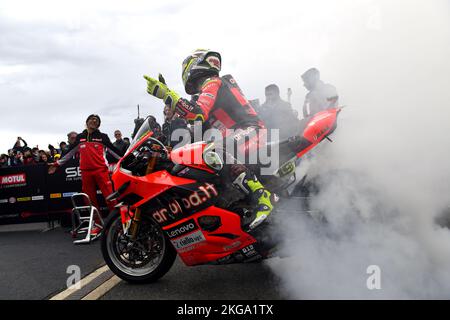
(28,192)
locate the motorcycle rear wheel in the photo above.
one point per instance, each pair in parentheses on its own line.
(142,261)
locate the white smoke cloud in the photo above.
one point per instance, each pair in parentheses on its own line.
(387,175)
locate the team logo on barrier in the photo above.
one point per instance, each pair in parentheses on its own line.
(73,173)
(13,180)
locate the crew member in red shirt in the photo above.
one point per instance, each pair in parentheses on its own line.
(92,146)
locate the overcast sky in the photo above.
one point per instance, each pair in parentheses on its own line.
(63,60)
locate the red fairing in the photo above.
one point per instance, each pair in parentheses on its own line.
(214,245)
(148,186)
(318,127)
(191,155)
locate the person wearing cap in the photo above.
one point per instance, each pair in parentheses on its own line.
(92,146)
(321,96)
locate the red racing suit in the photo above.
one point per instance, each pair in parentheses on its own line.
(93,165)
(222,105)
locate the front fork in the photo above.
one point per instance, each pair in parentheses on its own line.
(130,221)
(134,224)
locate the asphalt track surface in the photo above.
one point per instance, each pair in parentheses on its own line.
(34,262)
(252,281)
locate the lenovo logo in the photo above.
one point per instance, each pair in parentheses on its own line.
(184,228)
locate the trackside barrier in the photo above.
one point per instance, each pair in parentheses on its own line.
(29,192)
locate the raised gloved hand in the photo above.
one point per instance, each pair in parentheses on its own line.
(159,89)
(155,87)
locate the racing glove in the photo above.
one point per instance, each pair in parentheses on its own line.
(160,90)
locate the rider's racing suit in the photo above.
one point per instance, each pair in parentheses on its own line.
(222,105)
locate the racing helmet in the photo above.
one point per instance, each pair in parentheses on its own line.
(201,63)
(94,116)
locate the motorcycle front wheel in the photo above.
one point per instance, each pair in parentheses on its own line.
(143,260)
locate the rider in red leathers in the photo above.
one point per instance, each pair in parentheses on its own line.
(220,105)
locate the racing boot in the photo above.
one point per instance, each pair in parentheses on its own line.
(260,196)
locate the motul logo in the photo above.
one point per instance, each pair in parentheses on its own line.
(13,179)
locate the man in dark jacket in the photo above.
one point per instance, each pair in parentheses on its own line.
(120,144)
(170,125)
(278,114)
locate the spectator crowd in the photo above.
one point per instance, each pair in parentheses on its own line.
(21,154)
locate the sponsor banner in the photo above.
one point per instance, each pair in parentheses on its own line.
(193,200)
(20,186)
(68,194)
(64,183)
(9,216)
(31,190)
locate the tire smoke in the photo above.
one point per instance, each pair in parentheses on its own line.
(384,183)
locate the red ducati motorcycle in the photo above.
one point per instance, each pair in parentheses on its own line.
(172,202)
